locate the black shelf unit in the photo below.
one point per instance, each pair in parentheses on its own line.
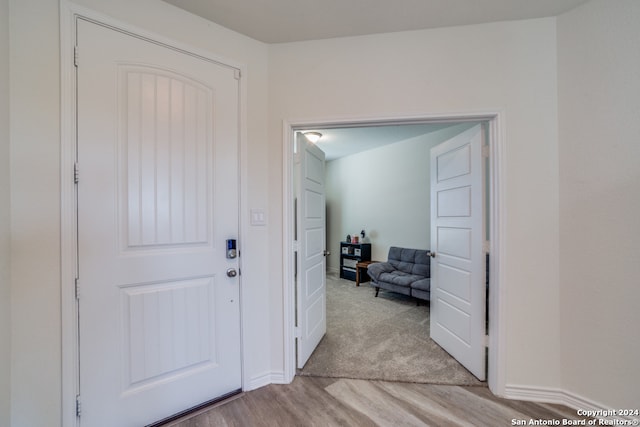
(350,255)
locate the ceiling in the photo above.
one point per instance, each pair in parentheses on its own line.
(281,21)
(337,143)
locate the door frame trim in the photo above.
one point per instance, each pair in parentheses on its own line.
(497,232)
(69,14)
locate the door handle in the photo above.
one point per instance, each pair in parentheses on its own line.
(432,254)
(232,272)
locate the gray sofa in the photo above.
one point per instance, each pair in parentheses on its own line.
(407,271)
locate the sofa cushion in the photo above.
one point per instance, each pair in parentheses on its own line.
(394,287)
(406,271)
(411,261)
(399,278)
(422,285)
(376,269)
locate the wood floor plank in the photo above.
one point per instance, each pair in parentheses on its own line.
(531,410)
(466,406)
(370,400)
(433,410)
(562,411)
(317,407)
(326,402)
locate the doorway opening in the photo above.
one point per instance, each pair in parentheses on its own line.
(493,134)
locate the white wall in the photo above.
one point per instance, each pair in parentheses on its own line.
(510,66)
(35,207)
(599,116)
(386,192)
(383,191)
(5,240)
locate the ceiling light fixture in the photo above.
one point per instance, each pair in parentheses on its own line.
(313,137)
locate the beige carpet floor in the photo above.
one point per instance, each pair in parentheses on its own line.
(384,338)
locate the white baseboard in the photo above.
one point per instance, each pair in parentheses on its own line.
(279,378)
(265,379)
(535,394)
(553,395)
(258,381)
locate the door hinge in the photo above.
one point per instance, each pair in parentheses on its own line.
(485,246)
(76,173)
(485,151)
(77,289)
(486,341)
(78,406)
(75,56)
(297,333)
(236,74)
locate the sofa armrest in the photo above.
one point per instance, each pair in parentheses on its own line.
(376,269)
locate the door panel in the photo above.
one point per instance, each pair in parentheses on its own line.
(454,242)
(311,285)
(161,337)
(454,202)
(166,119)
(455,320)
(159,320)
(458,290)
(454,281)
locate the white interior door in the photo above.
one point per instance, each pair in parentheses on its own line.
(311,277)
(159,319)
(458,290)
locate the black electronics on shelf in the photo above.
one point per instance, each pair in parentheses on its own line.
(350,255)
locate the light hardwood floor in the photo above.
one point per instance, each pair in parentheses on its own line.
(315,401)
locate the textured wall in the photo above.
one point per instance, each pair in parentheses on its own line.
(386,191)
(508,66)
(5,224)
(35,186)
(599,110)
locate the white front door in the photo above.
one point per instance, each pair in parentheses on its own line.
(458,290)
(311,274)
(159,319)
